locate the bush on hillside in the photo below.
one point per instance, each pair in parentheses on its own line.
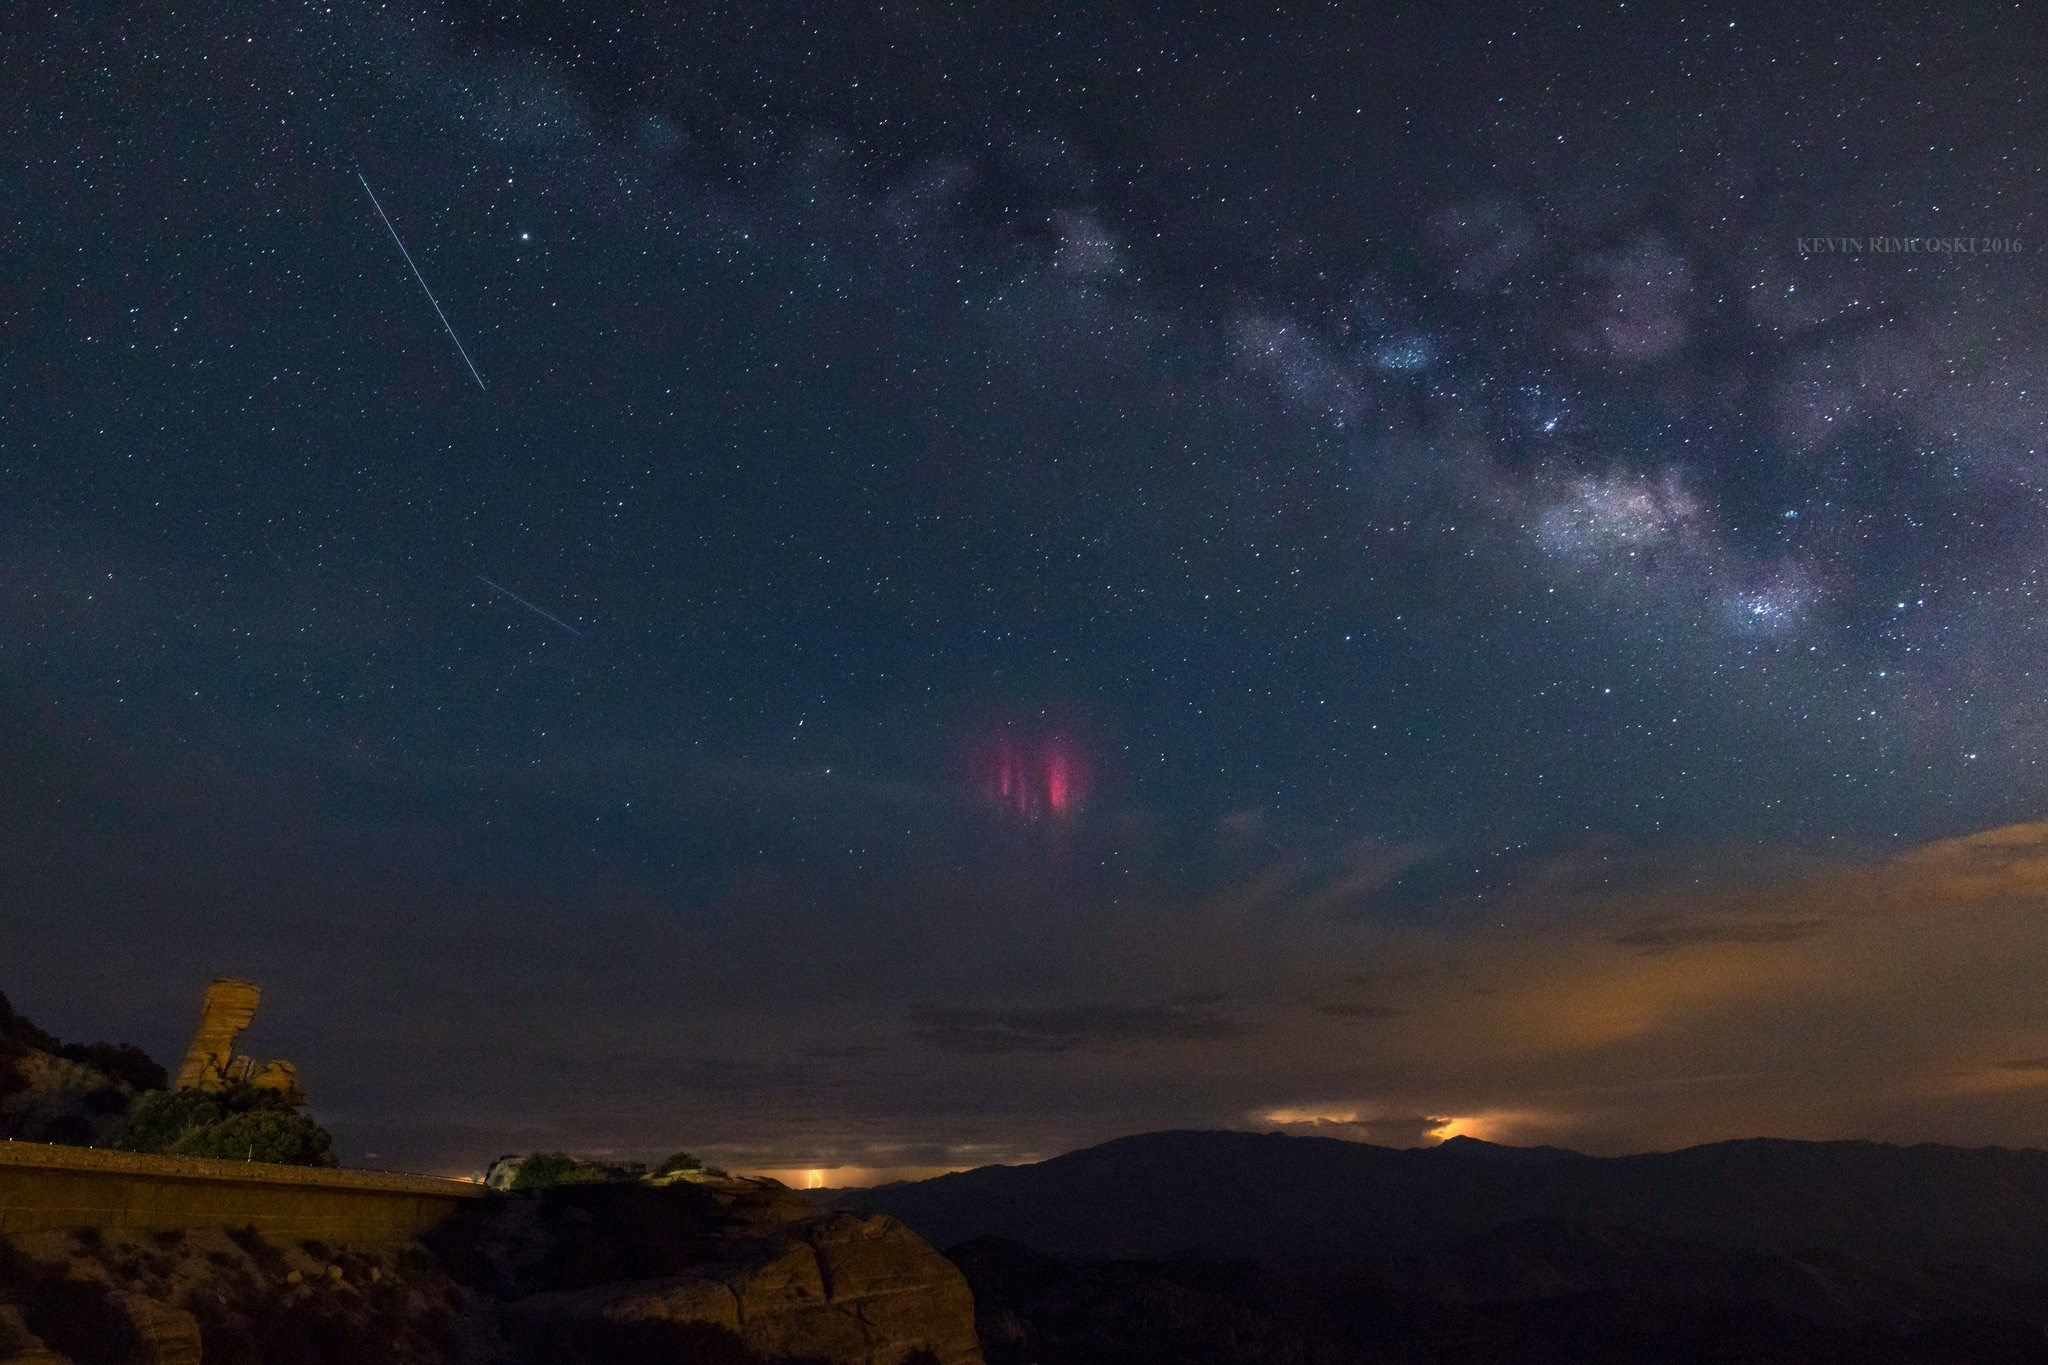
(686,1161)
(282,1136)
(239,1124)
(549,1170)
(680,1161)
(158,1119)
(122,1062)
(96,1087)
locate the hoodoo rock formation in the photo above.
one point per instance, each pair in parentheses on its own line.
(211,1062)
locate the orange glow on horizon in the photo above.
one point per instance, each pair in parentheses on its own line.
(845,1177)
(1288,1118)
(1380,1125)
(1471,1127)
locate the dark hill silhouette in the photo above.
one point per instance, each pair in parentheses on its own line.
(1271,1196)
(1256,1249)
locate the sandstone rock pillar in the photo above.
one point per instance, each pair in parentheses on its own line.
(229,1007)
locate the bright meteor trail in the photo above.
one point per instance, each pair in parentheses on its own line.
(538,611)
(423,282)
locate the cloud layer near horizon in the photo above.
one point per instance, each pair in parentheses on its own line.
(1009,993)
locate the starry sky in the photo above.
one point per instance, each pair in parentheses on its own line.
(872,589)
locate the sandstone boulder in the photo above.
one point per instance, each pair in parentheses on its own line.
(280,1076)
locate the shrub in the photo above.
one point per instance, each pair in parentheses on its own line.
(106,1101)
(687,1161)
(549,1170)
(160,1118)
(123,1062)
(681,1161)
(282,1136)
(72,1130)
(242,1124)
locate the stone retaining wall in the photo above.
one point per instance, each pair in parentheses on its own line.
(46,1188)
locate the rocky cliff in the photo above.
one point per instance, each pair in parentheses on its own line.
(585,1268)
(730,1272)
(840,1288)
(211,1063)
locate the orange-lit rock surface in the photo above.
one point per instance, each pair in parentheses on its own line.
(229,1007)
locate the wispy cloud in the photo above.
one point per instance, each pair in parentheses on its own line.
(1064,1028)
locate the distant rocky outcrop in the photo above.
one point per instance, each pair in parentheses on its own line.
(211,1063)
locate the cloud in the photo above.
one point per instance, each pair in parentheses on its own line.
(1359,1009)
(1352,1125)
(2012,860)
(1066,1028)
(1663,937)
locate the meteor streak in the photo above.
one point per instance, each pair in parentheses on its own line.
(538,611)
(446,326)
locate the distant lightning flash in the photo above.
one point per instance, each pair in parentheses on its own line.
(445,324)
(538,611)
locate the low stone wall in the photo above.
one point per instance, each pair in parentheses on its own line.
(45,1188)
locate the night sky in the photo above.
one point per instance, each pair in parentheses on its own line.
(1005,578)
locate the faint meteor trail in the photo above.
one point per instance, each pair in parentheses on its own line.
(538,611)
(446,326)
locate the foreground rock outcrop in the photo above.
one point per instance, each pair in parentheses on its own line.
(222,1296)
(840,1288)
(726,1272)
(584,1266)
